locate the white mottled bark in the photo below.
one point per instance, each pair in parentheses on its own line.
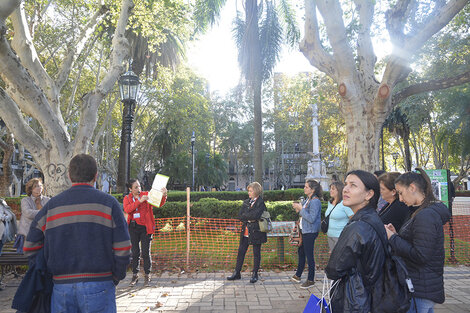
(31,91)
(366,100)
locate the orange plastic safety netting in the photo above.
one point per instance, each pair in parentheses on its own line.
(213,245)
(458,249)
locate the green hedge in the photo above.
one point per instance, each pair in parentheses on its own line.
(268,195)
(214,208)
(222,204)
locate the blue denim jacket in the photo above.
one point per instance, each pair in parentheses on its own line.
(311,216)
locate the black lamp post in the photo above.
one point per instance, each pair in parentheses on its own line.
(129,86)
(395,156)
(193,139)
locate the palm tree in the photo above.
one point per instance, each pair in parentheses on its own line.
(259,38)
(397,122)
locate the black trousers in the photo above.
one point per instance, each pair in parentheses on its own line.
(138,235)
(242,248)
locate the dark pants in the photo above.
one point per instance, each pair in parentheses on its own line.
(306,251)
(242,248)
(138,234)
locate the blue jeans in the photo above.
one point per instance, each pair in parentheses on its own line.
(420,305)
(306,251)
(84,297)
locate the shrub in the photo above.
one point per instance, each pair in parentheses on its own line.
(213,208)
(268,195)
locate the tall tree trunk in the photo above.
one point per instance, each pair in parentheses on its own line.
(435,147)
(254,76)
(8,147)
(415,148)
(363,136)
(406,144)
(258,134)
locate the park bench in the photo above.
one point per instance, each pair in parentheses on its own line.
(9,260)
(281,230)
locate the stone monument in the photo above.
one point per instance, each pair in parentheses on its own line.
(316,168)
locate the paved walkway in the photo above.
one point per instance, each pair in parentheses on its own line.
(210,292)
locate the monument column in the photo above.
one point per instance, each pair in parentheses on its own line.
(316,168)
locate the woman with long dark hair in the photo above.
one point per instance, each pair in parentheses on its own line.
(141,227)
(249,214)
(395,212)
(338,213)
(356,261)
(310,218)
(420,241)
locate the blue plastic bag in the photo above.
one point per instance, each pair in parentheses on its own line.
(316,305)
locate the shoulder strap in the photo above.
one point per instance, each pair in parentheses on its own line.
(332,209)
(385,245)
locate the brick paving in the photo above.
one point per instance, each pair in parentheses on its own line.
(210,292)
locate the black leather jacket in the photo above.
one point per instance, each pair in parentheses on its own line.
(357,260)
(250,215)
(420,243)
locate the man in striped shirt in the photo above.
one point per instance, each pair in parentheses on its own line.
(85,240)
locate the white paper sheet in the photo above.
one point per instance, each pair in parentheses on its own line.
(155,194)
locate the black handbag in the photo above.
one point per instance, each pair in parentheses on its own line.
(393,292)
(326,221)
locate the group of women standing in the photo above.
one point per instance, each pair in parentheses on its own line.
(411,222)
(359,255)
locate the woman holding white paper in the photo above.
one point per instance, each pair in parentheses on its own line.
(141,226)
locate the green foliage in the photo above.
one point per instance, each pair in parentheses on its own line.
(214,208)
(164,127)
(206,13)
(271,39)
(292,194)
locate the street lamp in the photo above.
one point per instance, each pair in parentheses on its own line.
(395,156)
(193,139)
(129,86)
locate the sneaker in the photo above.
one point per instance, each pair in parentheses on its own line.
(307,284)
(135,279)
(146,280)
(295,279)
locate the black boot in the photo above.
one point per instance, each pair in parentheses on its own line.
(236,275)
(254,278)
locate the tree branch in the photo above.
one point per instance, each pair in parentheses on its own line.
(405,47)
(311,45)
(441,17)
(365,49)
(395,19)
(91,101)
(75,49)
(22,43)
(6,8)
(14,121)
(431,85)
(26,94)
(342,52)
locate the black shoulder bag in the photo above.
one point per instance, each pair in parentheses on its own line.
(326,221)
(392,293)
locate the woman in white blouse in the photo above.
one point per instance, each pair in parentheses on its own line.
(30,206)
